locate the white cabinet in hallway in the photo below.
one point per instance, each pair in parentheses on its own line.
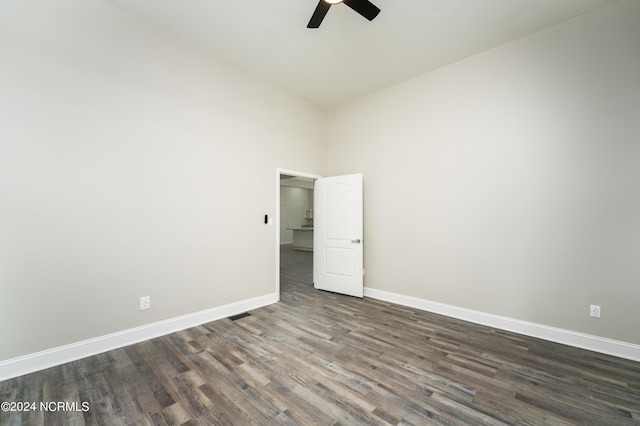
(302,238)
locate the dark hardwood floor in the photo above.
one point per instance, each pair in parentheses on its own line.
(322,358)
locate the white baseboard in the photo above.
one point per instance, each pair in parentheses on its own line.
(558,335)
(51,357)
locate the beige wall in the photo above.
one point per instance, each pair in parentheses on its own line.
(132,164)
(293,203)
(509,182)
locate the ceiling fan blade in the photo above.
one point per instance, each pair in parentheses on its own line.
(318,15)
(363,7)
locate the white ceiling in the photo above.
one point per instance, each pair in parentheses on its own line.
(348,56)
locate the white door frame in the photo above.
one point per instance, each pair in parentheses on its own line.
(279,172)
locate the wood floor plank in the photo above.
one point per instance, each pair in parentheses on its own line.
(321,358)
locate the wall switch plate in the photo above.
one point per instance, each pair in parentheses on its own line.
(594,311)
(145,302)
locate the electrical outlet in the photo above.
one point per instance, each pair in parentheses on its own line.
(594,311)
(145,302)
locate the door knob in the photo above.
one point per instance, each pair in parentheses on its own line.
(356,241)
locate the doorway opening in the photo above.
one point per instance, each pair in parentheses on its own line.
(294,215)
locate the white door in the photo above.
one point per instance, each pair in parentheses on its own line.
(337,239)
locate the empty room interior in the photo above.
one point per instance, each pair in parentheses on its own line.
(165,228)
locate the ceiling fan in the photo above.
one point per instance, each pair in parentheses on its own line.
(363,7)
